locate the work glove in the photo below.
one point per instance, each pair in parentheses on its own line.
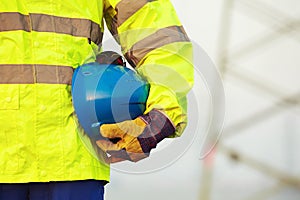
(133,139)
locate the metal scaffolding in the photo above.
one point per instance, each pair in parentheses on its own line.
(279,25)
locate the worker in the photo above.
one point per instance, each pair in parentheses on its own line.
(43,155)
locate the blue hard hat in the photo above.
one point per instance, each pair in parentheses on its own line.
(107,93)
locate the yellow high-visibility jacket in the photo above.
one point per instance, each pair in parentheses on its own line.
(42,41)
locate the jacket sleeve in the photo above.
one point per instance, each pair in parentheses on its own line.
(154,42)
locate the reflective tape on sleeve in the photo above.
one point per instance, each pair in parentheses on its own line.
(156,40)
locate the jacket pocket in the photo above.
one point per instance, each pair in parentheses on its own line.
(9,97)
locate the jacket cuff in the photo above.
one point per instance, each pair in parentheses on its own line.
(159,126)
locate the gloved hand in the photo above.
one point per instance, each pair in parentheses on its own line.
(133,139)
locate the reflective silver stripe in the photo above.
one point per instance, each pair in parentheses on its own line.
(28,74)
(71,26)
(126,8)
(156,40)
(48,23)
(14,21)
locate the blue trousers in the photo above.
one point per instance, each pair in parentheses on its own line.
(65,190)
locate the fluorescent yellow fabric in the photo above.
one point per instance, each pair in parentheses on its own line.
(23,47)
(39,138)
(146,21)
(169,71)
(169,68)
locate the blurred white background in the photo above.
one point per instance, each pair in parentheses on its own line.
(255,45)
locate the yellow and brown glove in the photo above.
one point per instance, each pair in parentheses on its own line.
(133,139)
